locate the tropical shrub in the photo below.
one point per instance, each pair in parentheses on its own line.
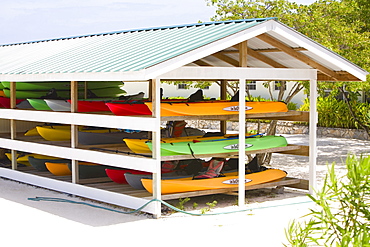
(343,214)
(335,113)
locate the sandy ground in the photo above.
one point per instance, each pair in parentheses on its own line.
(261,222)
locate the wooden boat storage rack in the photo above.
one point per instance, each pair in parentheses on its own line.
(104,189)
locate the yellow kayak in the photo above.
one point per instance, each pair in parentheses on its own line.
(139,146)
(229,181)
(217,108)
(23,159)
(63,133)
(34,132)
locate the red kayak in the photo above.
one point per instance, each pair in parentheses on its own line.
(127,108)
(91,105)
(118,175)
(5,102)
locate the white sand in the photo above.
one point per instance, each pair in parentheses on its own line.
(26,222)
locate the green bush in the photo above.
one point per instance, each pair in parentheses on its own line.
(335,113)
(343,214)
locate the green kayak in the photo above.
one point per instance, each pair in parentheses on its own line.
(39,104)
(61,85)
(102,92)
(220,146)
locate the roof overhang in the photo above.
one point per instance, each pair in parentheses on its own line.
(271,46)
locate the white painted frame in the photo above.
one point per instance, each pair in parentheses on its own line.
(149,124)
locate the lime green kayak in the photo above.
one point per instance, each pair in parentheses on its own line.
(39,104)
(227,145)
(61,85)
(102,92)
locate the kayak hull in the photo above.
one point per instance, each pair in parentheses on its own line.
(218,108)
(128,109)
(140,146)
(39,163)
(118,175)
(187,184)
(92,138)
(39,104)
(220,146)
(89,170)
(58,169)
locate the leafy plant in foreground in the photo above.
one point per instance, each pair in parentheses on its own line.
(343,215)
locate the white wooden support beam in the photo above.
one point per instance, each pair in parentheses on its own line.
(241,186)
(228,73)
(313,136)
(156,140)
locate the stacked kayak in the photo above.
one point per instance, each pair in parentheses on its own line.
(108,137)
(131,108)
(217,108)
(23,158)
(226,145)
(58,169)
(38,162)
(66,85)
(39,104)
(230,180)
(85,169)
(5,102)
(63,132)
(140,145)
(128,109)
(25,90)
(118,175)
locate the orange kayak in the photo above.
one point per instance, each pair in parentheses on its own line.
(229,181)
(58,169)
(218,108)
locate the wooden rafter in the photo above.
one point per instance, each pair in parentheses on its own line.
(226,59)
(200,62)
(265,59)
(300,56)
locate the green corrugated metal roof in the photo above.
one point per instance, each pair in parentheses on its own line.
(131,50)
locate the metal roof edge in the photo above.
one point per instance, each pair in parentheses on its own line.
(320,48)
(146,29)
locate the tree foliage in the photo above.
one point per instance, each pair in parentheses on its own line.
(342,26)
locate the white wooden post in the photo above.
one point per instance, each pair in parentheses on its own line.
(241,189)
(313,135)
(156,141)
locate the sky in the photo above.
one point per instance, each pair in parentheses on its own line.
(32,20)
